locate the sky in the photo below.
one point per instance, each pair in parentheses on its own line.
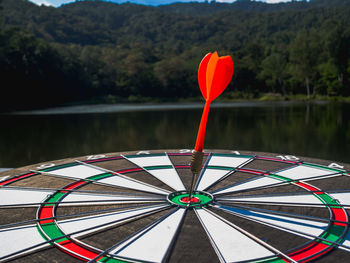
(147,2)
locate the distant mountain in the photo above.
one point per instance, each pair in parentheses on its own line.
(129,51)
(149,2)
(101,23)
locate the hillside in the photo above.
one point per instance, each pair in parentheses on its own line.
(129,52)
(98,22)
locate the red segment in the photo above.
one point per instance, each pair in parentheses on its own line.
(73,186)
(193,200)
(339,215)
(129,170)
(249,171)
(319,254)
(316,249)
(103,159)
(308,251)
(76,249)
(46,212)
(16,178)
(182,166)
(308,187)
(71,254)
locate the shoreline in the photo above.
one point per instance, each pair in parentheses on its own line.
(132,107)
(112,104)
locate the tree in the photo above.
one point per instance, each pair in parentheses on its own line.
(338,47)
(304,53)
(274,69)
(1,18)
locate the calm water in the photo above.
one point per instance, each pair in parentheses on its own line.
(319,130)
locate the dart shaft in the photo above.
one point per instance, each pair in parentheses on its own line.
(196,167)
(202,127)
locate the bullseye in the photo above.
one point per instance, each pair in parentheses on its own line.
(186,201)
(198,199)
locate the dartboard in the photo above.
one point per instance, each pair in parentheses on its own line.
(135,207)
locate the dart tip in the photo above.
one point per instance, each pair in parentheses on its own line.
(196,167)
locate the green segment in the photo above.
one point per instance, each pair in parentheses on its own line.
(323,167)
(144,155)
(53,232)
(51,229)
(111,260)
(220,167)
(59,167)
(99,176)
(281,178)
(334,233)
(325,198)
(54,198)
(203,198)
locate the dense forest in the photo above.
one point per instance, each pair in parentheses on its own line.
(102,51)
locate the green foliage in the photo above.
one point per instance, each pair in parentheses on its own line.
(36,75)
(129,52)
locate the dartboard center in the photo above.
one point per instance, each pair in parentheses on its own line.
(186,200)
(198,199)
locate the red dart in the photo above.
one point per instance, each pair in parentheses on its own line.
(214,74)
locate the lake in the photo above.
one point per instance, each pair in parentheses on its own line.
(315,129)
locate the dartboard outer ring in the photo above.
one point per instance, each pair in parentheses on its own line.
(229,212)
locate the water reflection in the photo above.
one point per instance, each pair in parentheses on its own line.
(316,130)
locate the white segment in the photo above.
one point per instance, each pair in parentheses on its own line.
(19,238)
(304,172)
(167,176)
(152,243)
(77,171)
(210,176)
(144,161)
(285,223)
(102,221)
(22,196)
(131,184)
(98,199)
(304,199)
(260,182)
(342,197)
(230,244)
(3,178)
(85,171)
(227,161)
(295,173)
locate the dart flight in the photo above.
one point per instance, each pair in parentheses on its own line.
(214,74)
